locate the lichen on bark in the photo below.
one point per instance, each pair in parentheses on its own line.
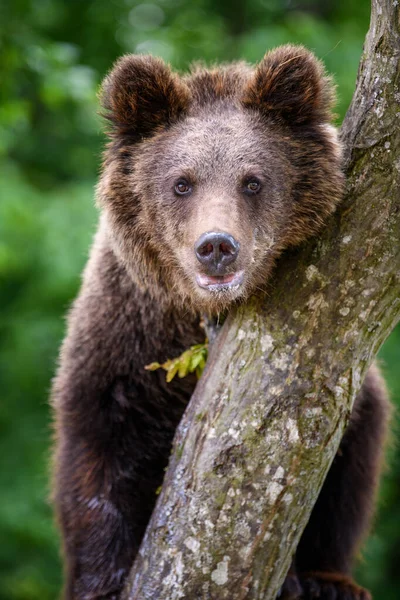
(266,419)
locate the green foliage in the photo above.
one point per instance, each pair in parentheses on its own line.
(192,360)
(53,55)
(44,238)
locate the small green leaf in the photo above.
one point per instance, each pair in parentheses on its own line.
(192,360)
(184,363)
(168,364)
(172,370)
(196,360)
(153,366)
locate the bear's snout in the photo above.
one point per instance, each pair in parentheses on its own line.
(216,250)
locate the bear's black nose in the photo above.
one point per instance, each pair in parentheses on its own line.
(216,250)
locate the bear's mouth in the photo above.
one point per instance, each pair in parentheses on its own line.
(215,283)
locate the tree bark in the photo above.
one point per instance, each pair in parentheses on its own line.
(266,419)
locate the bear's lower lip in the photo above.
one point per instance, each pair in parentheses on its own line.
(223,282)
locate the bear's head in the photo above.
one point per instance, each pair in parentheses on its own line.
(209,176)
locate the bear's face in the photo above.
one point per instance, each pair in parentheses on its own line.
(217,192)
(210,177)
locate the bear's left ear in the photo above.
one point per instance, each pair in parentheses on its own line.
(290,85)
(141,94)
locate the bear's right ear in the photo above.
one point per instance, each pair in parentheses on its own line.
(141,94)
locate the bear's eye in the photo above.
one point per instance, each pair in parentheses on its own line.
(252,186)
(182,187)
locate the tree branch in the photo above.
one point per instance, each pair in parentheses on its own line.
(266,419)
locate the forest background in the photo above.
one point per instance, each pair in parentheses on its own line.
(53,55)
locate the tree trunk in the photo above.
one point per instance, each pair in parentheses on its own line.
(266,419)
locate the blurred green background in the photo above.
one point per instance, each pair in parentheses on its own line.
(53,55)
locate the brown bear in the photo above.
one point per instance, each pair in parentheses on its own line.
(206,180)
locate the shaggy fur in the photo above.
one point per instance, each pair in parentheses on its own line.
(140,300)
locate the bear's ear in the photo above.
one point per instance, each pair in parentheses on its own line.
(289,84)
(141,94)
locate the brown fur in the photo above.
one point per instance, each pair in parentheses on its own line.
(325,585)
(140,302)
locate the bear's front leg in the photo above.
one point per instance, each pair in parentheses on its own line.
(114,426)
(112,449)
(100,508)
(110,462)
